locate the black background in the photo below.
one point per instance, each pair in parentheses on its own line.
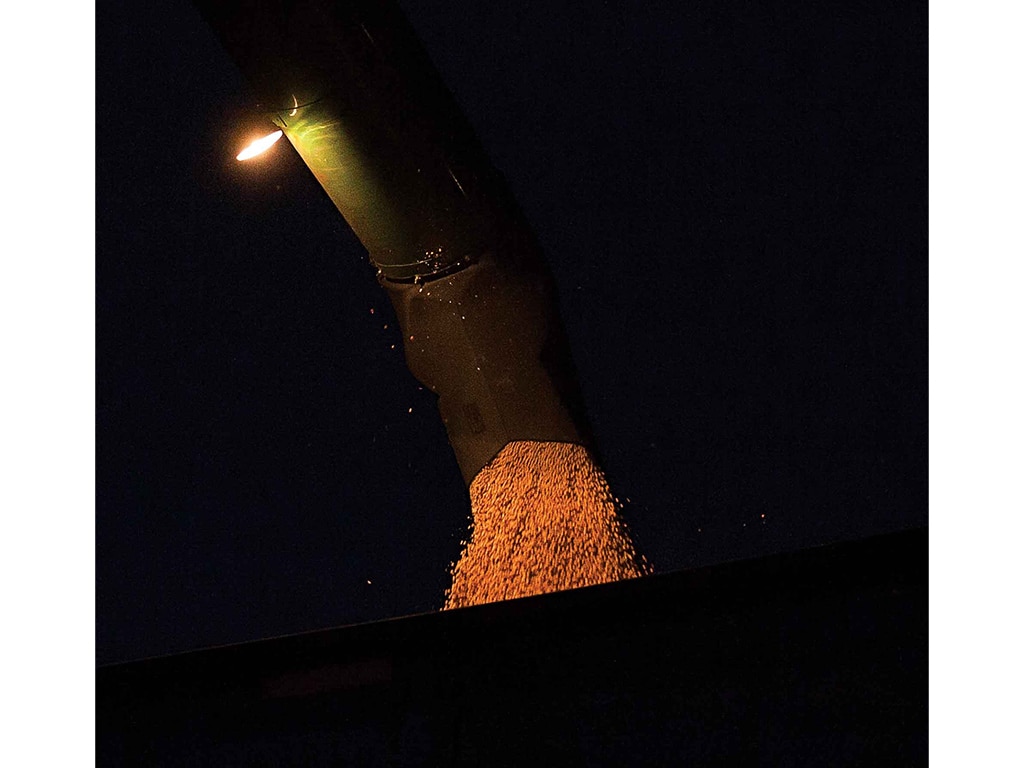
(732,198)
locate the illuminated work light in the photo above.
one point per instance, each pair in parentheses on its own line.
(260,146)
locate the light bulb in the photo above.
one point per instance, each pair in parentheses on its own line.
(259,146)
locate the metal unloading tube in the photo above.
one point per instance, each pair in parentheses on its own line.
(356,95)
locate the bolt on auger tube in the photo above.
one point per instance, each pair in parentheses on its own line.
(356,95)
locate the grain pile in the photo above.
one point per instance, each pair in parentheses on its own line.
(544,519)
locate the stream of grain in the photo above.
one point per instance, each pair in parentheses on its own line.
(544,519)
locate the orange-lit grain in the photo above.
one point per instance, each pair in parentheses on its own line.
(544,519)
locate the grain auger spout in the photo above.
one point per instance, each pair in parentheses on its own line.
(357,97)
(355,94)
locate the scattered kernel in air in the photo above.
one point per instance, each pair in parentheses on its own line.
(371,310)
(410,410)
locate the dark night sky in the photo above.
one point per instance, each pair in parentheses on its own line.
(732,198)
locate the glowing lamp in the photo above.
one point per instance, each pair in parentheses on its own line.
(259,146)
